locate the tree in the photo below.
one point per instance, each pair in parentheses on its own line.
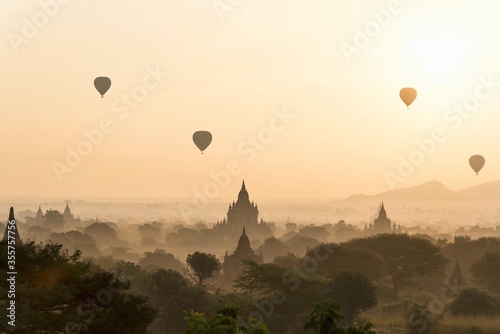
(104,262)
(38,233)
(160,259)
(344,258)
(171,292)
(56,292)
(272,248)
(486,271)
(288,261)
(202,266)
(130,272)
(149,243)
(264,279)
(121,253)
(224,321)
(316,232)
(405,256)
(283,295)
(299,244)
(101,232)
(150,231)
(74,240)
(469,251)
(54,220)
(324,317)
(475,302)
(355,292)
(343,231)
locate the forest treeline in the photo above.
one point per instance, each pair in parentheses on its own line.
(331,289)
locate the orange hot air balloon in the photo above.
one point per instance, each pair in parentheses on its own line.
(476,162)
(408,95)
(202,139)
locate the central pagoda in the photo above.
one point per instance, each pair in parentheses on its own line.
(242,213)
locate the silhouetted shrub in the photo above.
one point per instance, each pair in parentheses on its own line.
(475,302)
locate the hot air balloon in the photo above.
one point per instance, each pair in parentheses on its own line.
(202,139)
(102,85)
(408,95)
(476,162)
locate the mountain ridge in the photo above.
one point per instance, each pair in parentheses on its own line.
(434,191)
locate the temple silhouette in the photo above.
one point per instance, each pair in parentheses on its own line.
(39,217)
(241,214)
(68,217)
(457,278)
(382,224)
(455,285)
(232,268)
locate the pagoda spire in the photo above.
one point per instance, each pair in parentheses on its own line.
(8,229)
(39,214)
(457,278)
(243,242)
(382,212)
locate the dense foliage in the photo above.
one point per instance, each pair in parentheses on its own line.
(57,292)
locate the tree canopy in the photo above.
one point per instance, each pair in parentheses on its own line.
(171,293)
(324,319)
(345,258)
(405,256)
(486,271)
(58,293)
(54,220)
(355,293)
(202,266)
(473,301)
(159,258)
(281,295)
(225,321)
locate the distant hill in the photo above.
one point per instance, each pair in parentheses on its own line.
(433,192)
(484,191)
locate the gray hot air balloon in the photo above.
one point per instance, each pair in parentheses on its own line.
(202,139)
(102,85)
(476,162)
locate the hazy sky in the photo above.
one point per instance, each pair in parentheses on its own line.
(231,65)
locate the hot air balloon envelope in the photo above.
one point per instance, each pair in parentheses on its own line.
(102,85)
(476,162)
(408,95)
(202,139)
